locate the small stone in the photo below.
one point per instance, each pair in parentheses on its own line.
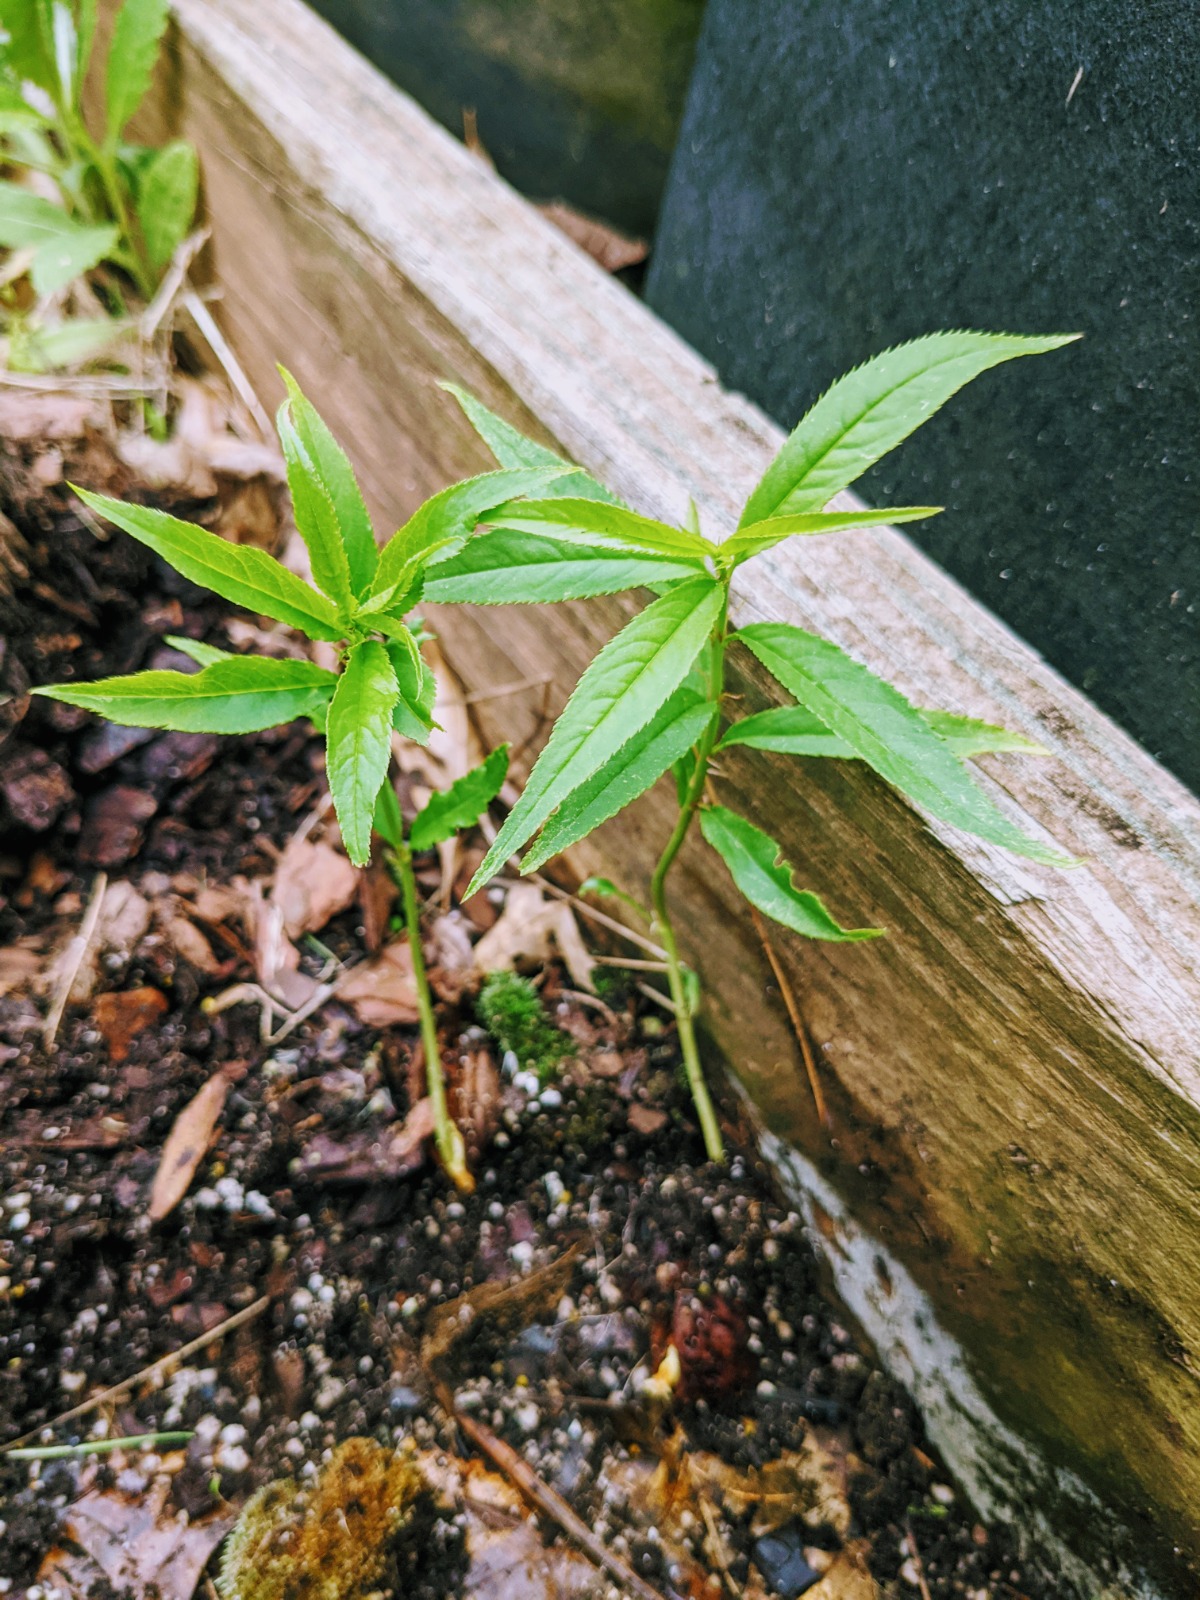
(231,1458)
(780,1558)
(550,1099)
(911,1573)
(527,1418)
(942,1493)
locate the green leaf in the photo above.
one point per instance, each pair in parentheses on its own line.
(589,519)
(316,520)
(27,220)
(358,536)
(505,567)
(240,694)
(888,733)
(462,804)
(413,713)
(624,776)
(238,572)
(513,449)
(388,822)
(793,731)
(618,694)
(448,517)
(753,859)
(28,50)
(872,410)
(76,251)
(168,189)
(206,655)
(70,344)
(758,536)
(88,11)
(358,734)
(132,54)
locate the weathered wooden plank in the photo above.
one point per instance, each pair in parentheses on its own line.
(1015,1070)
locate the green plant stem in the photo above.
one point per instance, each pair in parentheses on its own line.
(713,1143)
(448,1139)
(103,159)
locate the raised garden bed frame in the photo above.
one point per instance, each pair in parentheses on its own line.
(1010,1196)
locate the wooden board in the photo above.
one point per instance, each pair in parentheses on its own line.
(1014,1071)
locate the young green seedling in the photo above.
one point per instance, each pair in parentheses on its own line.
(653,700)
(358,601)
(120,203)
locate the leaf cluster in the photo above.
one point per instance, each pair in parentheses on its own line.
(91,197)
(653,700)
(359,599)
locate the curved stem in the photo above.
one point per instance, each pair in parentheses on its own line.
(713,1143)
(448,1139)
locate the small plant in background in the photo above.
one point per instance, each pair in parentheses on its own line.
(89,201)
(511,1010)
(654,699)
(358,601)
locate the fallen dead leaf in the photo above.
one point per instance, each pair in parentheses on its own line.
(19,966)
(365,1157)
(186,1145)
(313,882)
(276,959)
(135,1543)
(123,921)
(191,944)
(647,1120)
(382,992)
(848,1578)
(475,1099)
(613,250)
(122,1016)
(530,924)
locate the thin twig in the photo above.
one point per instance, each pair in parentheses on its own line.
(718,1544)
(217,343)
(482,696)
(552,1505)
(663,1000)
(797,1021)
(602,917)
(73,959)
(156,1368)
(632,962)
(922,1584)
(172,286)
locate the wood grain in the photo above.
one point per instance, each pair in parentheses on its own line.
(1014,1073)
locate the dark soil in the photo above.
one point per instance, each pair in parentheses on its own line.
(669,1247)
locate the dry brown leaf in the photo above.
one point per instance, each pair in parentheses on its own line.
(122,1016)
(525,932)
(647,1120)
(19,966)
(124,920)
(382,992)
(611,249)
(313,882)
(276,959)
(140,1546)
(191,944)
(504,1308)
(186,1146)
(368,1156)
(475,1099)
(848,1578)
(808,1484)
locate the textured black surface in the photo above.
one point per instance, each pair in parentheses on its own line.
(575,99)
(852,175)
